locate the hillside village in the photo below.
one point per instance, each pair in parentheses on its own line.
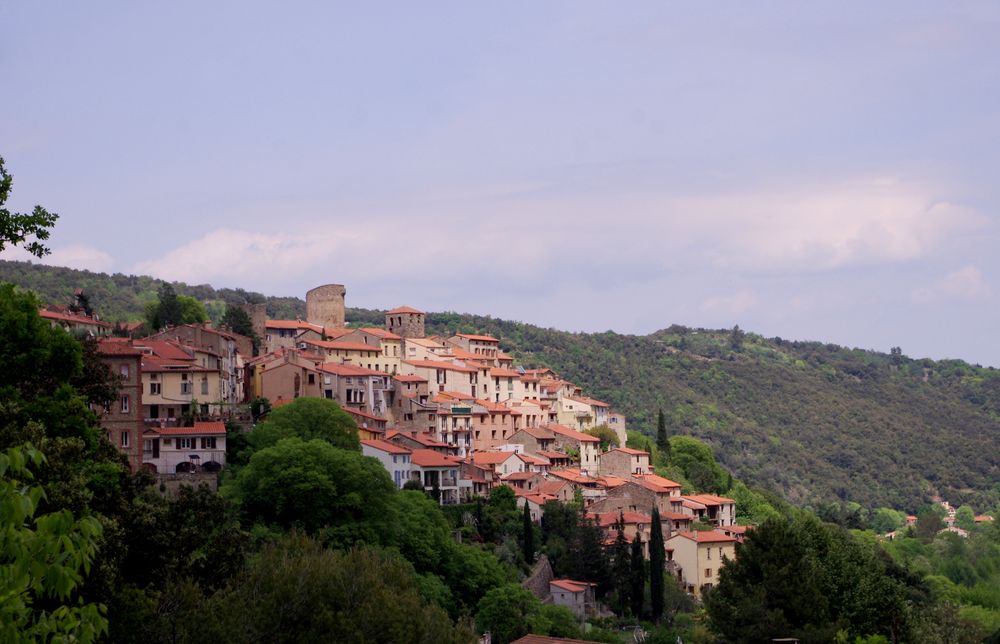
(452,415)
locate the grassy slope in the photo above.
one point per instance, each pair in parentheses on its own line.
(808,420)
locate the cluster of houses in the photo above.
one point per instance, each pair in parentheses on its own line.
(453,414)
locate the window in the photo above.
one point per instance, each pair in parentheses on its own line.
(185,443)
(124,439)
(708,573)
(720,554)
(154,388)
(312,379)
(204,384)
(124,371)
(147,445)
(124,404)
(208,442)
(708,553)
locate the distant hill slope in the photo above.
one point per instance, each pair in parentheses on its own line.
(811,421)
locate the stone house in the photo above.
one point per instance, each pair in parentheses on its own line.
(624,462)
(697,557)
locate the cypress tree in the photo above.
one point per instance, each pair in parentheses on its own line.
(662,441)
(656,564)
(622,566)
(637,577)
(529,535)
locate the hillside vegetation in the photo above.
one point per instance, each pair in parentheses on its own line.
(814,422)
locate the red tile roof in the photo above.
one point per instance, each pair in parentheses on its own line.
(408,378)
(342,346)
(385,446)
(349,370)
(571,585)
(403,309)
(562,430)
(709,499)
(431,458)
(707,536)
(491,458)
(117,347)
(436,364)
(199,429)
(381,333)
(72,319)
(629,451)
(479,338)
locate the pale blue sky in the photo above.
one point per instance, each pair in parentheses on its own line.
(809,170)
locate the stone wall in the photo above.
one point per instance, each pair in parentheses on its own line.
(538,582)
(325,305)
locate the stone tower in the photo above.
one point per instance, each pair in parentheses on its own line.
(258,318)
(325,305)
(406,322)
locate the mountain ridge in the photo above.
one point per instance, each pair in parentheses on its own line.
(812,421)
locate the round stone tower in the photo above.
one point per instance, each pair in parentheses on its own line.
(406,322)
(325,305)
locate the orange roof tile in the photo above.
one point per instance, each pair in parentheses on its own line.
(199,429)
(404,309)
(707,536)
(385,446)
(562,430)
(432,458)
(436,364)
(478,338)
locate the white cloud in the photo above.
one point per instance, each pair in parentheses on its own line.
(75,256)
(966,284)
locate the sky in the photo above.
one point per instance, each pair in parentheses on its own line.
(822,171)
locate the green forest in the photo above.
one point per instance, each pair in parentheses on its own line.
(812,422)
(308,540)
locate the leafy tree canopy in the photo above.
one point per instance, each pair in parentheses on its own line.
(315,485)
(17,228)
(307,418)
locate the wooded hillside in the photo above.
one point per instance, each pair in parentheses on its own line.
(812,421)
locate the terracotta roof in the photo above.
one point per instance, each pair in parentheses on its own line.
(573,475)
(491,458)
(117,348)
(349,370)
(199,429)
(342,346)
(71,318)
(402,377)
(534,460)
(518,476)
(545,639)
(611,481)
(589,401)
(423,438)
(293,324)
(385,446)
(552,455)
(538,498)
(425,342)
(707,536)
(655,483)
(983,518)
(381,333)
(480,338)
(165,349)
(403,309)
(571,585)
(504,373)
(431,458)
(562,430)
(552,487)
(436,364)
(538,433)
(629,451)
(708,499)
(365,415)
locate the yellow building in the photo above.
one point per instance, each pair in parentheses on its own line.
(698,557)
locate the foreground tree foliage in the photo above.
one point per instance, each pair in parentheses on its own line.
(297,591)
(308,419)
(314,485)
(17,228)
(43,559)
(802,578)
